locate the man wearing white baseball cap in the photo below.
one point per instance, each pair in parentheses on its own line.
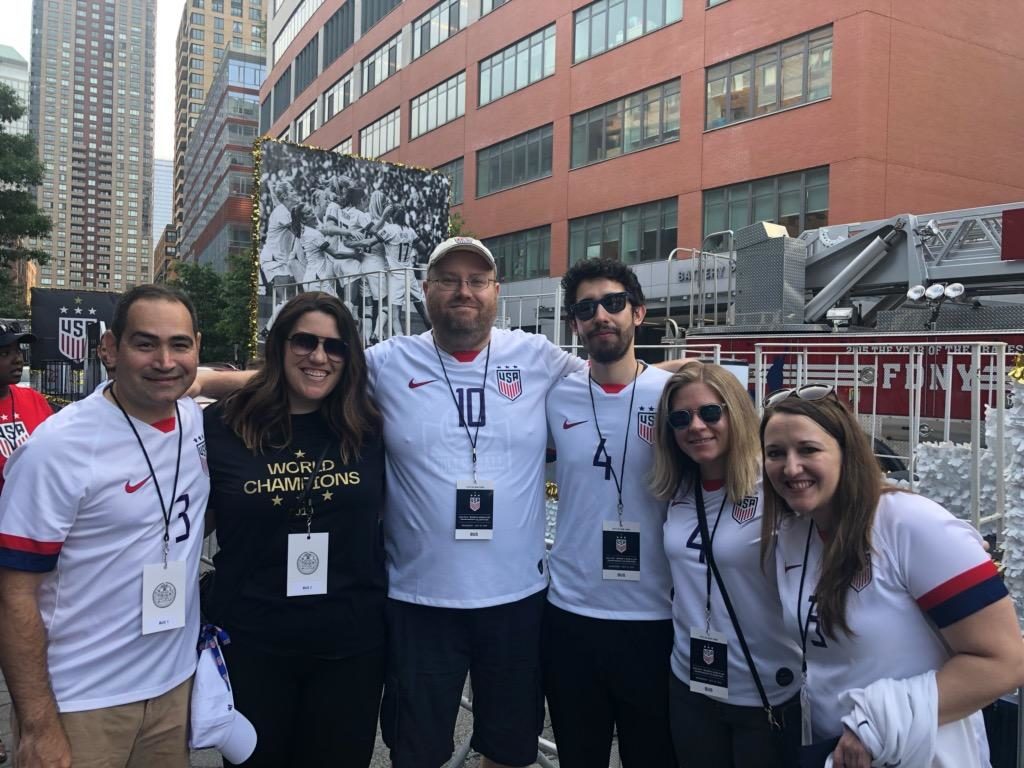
(464,524)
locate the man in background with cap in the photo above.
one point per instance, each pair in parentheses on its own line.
(21,409)
(101,529)
(464,426)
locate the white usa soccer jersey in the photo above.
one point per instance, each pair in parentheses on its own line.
(80,505)
(928,571)
(736,543)
(428,451)
(587,496)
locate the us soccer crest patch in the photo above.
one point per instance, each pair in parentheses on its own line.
(863,577)
(708,655)
(621,545)
(744,511)
(201,450)
(645,425)
(510,382)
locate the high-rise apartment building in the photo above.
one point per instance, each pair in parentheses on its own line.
(207,31)
(219,164)
(163,196)
(14,73)
(92,115)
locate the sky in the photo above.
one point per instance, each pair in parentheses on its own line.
(16,32)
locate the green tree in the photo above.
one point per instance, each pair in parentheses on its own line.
(204,286)
(457,226)
(20,218)
(238,300)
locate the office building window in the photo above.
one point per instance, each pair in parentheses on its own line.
(306,123)
(625,125)
(521,255)
(265,116)
(339,32)
(486,6)
(798,201)
(437,25)
(522,63)
(345,147)
(516,161)
(282,92)
(338,96)
(441,104)
(454,172)
(295,22)
(382,63)
(639,233)
(375,10)
(713,3)
(306,66)
(788,74)
(380,136)
(607,24)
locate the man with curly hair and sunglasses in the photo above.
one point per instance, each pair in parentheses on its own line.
(607,633)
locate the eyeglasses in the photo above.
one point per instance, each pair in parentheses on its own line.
(613,303)
(806,392)
(305,344)
(709,414)
(476,283)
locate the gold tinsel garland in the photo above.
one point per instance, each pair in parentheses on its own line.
(1017,372)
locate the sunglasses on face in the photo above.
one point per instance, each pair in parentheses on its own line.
(806,392)
(709,414)
(613,303)
(305,344)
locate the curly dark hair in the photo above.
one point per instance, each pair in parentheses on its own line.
(602,267)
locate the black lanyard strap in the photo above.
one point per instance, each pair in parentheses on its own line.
(305,509)
(621,476)
(165,509)
(805,625)
(706,545)
(705,535)
(472,437)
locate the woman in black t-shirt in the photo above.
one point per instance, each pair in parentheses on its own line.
(297,474)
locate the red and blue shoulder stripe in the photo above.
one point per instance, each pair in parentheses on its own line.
(22,554)
(963,595)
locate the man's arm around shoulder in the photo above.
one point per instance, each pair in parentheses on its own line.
(41,738)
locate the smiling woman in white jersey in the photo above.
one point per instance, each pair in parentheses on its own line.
(733,692)
(905,626)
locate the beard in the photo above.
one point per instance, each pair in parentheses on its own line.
(606,350)
(470,326)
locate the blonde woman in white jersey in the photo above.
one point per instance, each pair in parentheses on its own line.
(734,684)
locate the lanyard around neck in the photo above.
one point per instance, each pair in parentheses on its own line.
(702,519)
(621,476)
(472,437)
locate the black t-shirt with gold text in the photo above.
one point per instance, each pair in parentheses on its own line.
(254,498)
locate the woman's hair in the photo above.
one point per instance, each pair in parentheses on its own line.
(259,412)
(854,503)
(673,469)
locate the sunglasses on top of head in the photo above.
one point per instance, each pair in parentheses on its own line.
(613,303)
(305,344)
(806,392)
(709,414)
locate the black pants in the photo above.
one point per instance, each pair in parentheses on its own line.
(601,674)
(308,712)
(714,734)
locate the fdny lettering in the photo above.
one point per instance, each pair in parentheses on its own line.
(298,482)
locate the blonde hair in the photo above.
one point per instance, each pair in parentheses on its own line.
(674,470)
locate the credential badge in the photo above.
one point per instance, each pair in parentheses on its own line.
(510,382)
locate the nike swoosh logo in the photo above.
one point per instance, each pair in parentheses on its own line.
(413,384)
(791,567)
(570,424)
(129,488)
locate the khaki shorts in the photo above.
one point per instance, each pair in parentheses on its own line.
(143,734)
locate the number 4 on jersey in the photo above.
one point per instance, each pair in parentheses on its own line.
(602,460)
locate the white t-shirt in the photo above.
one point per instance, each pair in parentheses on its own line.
(587,497)
(736,543)
(277,249)
(428,451)
(928,571)
(79,505)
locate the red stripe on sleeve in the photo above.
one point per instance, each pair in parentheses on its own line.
(21,544)
(957,584)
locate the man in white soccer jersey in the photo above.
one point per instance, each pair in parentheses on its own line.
(101,528)
(607,633)
(464,426)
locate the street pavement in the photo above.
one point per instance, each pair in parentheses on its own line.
(211,759)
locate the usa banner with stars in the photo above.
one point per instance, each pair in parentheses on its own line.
(63,321)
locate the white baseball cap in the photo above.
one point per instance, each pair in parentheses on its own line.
(215,721)
(453,244)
